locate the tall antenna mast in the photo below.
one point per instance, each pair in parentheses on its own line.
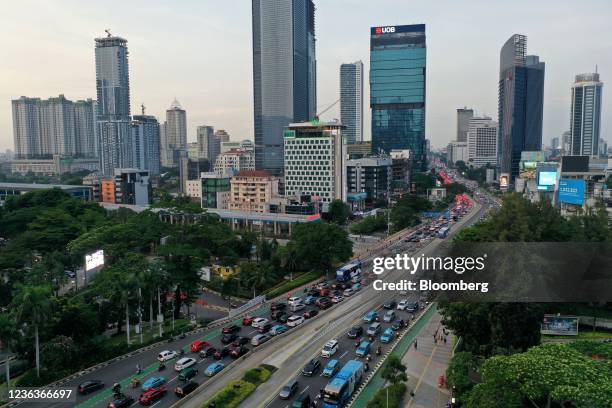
(142,108)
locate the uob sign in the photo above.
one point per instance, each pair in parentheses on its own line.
(385,30)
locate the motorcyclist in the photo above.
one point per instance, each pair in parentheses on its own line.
(138,369)
(116,388)
(378,351)
(161,366)
(367,367)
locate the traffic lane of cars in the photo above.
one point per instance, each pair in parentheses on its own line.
(346,351)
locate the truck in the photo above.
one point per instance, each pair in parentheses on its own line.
(339,390)
(348,272)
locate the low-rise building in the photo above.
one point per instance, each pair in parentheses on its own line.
(84,193)
(53,167)
(253,191)
(370,175)
(132,186)
(215,190)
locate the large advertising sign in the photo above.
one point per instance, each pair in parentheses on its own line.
(504,180)
(94,260)
(571,191)
(559,325)
(547,179)
(381,30)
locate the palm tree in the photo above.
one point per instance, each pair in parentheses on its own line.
(260,278)
(7,336)
(32,305)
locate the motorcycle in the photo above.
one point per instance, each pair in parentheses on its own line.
(135,383)
(161,367)
(378,351)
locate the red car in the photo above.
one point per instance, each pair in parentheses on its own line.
(199,345)
(152,395)
(247,321)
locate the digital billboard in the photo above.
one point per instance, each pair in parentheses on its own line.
(571,191)
(94,260)
(559,325)
(504,180)
(547,179)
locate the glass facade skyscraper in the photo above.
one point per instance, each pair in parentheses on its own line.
(351,101)
(521,104)
(398,57)
(585,117)
(284,74)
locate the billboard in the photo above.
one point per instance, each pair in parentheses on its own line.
(504,180)
(94,260)
(571,191)
(547,179)
(559,325)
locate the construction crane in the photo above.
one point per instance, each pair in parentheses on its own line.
(108,33)
(326,109)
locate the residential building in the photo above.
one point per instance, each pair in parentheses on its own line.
(234,161)
(585,118)
(176,132)
(397,90)
(107,191)
(284,74)
(147,143)
(113,129)
(400,173)
(521,103)
(193,190)
(252,191)
(351,101)
(315,161)
(359,149)
(58,165)
(222,135)
(457,151)
(43,128)
(482,142)
(464,115)
(372,176)
(132,186)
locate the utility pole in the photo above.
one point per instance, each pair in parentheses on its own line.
(159,312)
(140,313)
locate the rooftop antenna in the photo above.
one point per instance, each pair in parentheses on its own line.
(142,108)
(596,68)
(108,33)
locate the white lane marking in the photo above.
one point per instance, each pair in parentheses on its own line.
(305,389)
(343,354)
(156,403)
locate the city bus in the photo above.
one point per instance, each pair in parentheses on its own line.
(443,233)
(339,390)
(348,272)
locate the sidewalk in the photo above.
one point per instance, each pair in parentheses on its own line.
(426,364)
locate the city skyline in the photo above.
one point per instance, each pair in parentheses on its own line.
(221,94)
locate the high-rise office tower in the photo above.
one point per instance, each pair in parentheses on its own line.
(397,90)
(521,103)
(209,146)
(115,145)
(554,143)
(146,137)
(482,142)
(351,101)
(54,126)
(284,74)
(464,115)
(585,115)
(175,132)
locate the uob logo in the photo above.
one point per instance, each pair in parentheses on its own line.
(385,30)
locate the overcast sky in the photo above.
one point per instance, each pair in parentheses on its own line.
(199,51)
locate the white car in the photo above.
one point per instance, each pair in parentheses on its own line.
(292,300)
(402,304)
(184,363)
(347,292)
(166,355)
(295,320)
(329,349)
(259,322)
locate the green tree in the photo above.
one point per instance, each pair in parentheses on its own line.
(319,245)
(394,371)
(32,307)
(369,225)
(339,212)
(458,373)
(7,338)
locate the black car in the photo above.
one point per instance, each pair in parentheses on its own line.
(185,389)
(265,328)
(324,303)
(276,314)
(220,353)
(311,313)
(355,332)
(239,351)
(283,318)
(90,386)
(390,305)
(231,329)
(312,367)
(240,341)
(278,306)
(121,401)
(398,324)
(228,338)
(208,352)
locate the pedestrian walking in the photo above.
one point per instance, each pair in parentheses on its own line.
(435,339)
(444,339)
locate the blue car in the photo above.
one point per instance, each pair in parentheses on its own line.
(370,317)
(387,336)
(363,349)
(278,329)
(214,368)
(153,382)
(310,300)
(331,368)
